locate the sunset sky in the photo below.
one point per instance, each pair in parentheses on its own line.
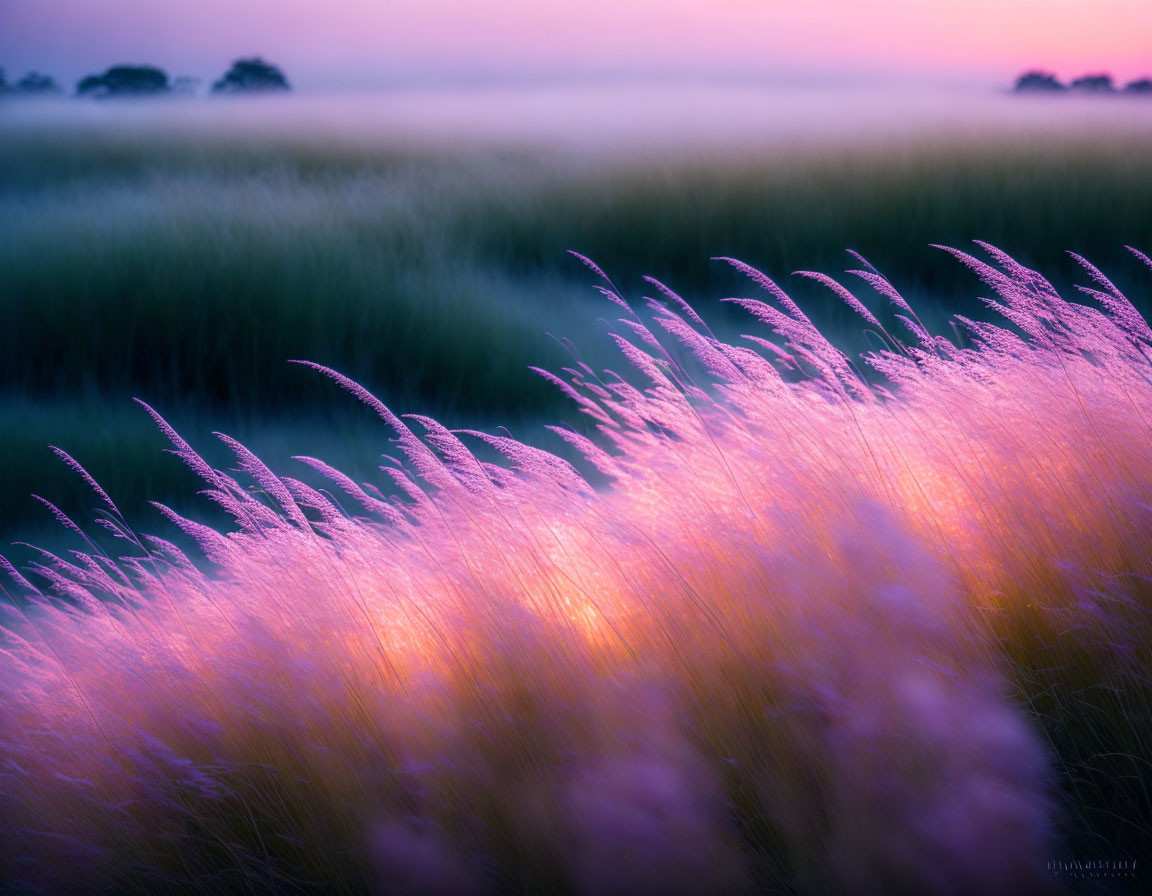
(360,43)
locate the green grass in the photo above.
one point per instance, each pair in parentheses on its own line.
(186,266)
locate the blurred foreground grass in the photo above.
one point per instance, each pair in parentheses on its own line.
(187,269)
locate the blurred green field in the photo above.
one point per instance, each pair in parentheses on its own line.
(186,268)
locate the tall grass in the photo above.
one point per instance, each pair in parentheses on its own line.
(185,261)
(815,634)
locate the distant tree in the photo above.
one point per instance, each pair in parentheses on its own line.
(1140,85)
(1098,83)
(251,76)
(125,80)
(36,84)
(1039,82)
(3,81)
(90,85)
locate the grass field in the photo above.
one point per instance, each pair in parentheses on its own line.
(186,258)
(185,261)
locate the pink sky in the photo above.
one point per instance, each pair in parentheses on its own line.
(361,42)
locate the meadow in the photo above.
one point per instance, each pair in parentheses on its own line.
(182,254)
(814,625)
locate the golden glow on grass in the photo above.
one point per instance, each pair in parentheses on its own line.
(814,635)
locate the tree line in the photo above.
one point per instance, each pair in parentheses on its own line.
(1037,81)
(252,75)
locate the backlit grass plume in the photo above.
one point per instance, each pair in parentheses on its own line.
(811,631)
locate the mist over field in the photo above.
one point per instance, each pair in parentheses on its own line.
(183,251)
(782,599)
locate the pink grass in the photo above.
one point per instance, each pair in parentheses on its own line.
(787,648)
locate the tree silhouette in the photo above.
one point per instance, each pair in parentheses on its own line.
(1038,82)
(1140,85)
(36,84)
(1096,83)
(251,76)
(125,80)
(32,84)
